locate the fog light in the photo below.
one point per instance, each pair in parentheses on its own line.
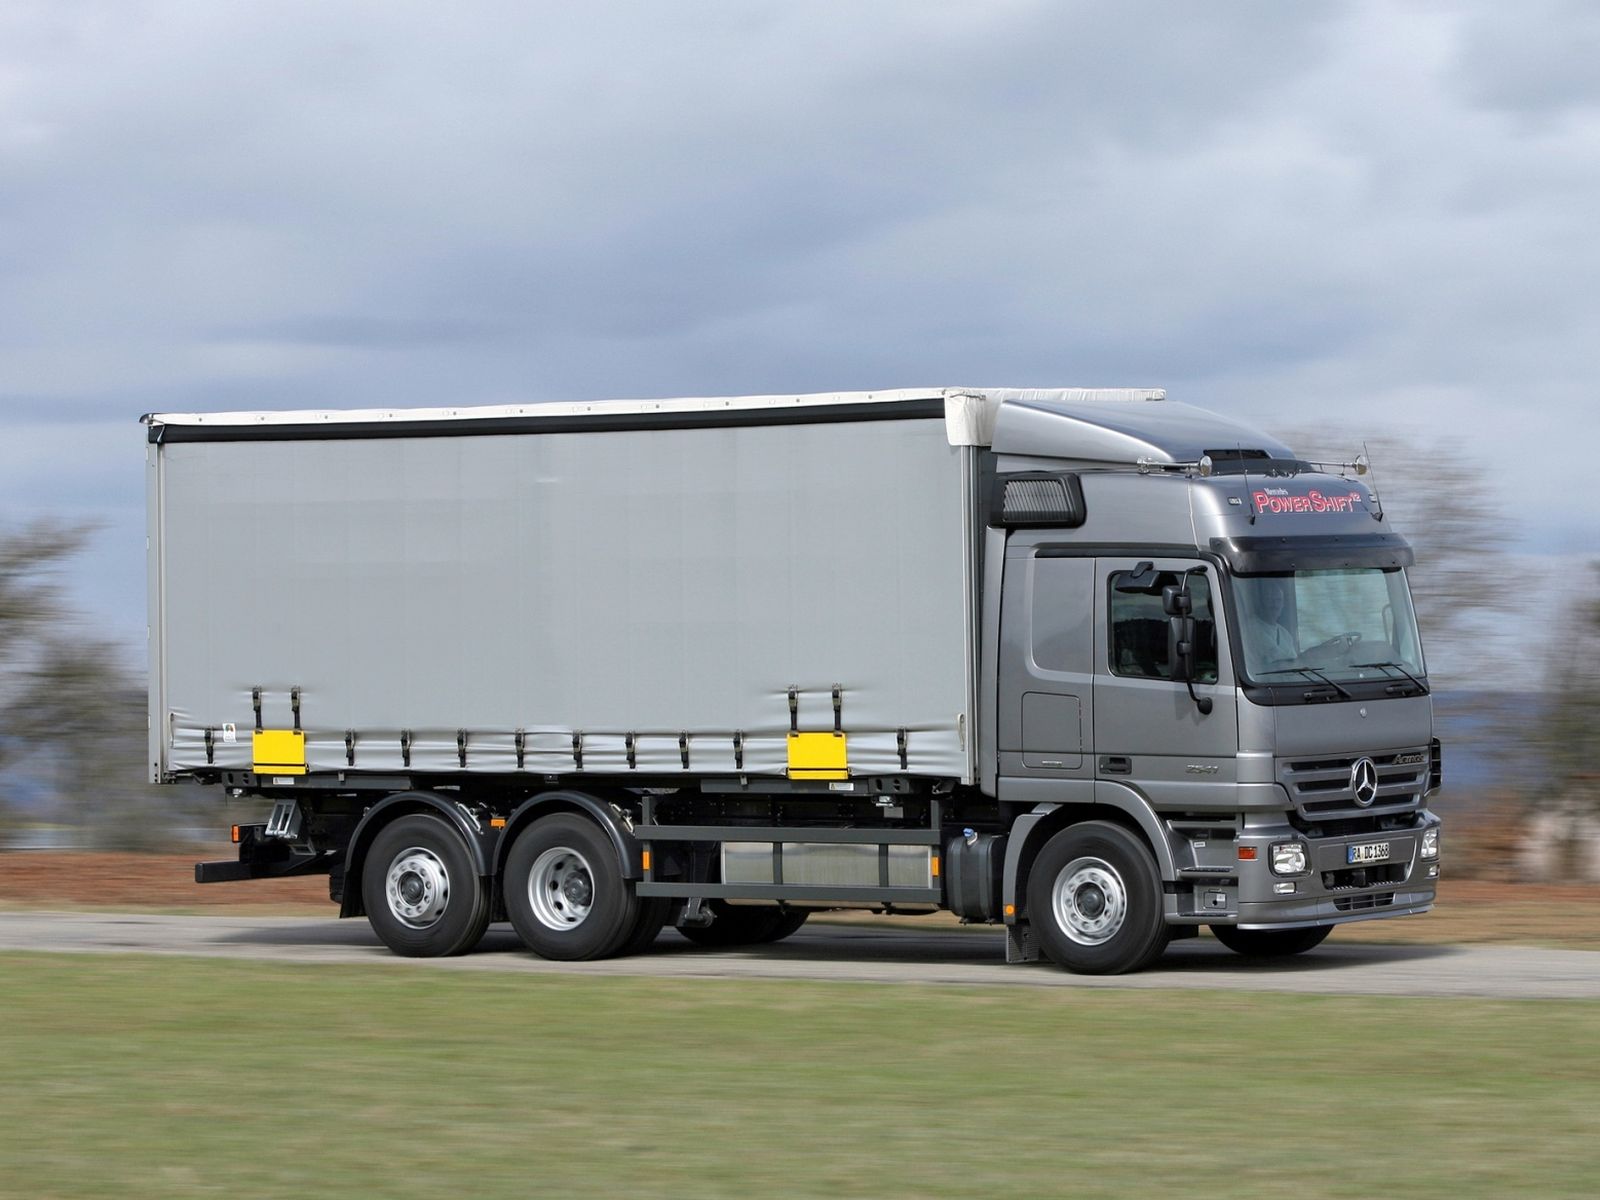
(1433,871)
(1284,889)
(1289,858)
(1430,842)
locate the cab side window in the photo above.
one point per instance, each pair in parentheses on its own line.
(1139,629)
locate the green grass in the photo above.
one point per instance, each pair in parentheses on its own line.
(135,1076)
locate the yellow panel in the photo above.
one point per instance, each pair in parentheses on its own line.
(279,752)
(818,756)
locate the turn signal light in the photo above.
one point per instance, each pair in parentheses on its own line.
(235,835)
(1247,854)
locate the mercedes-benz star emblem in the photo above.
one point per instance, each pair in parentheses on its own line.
(1364,781)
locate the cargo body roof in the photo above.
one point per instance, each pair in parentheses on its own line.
(1114,425)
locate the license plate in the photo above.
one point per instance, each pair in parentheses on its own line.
(1368,852)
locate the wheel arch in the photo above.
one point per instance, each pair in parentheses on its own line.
(455,813)
(1113,803)
(603,811)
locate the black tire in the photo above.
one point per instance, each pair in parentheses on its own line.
(1270,943)
(737,925)
(789,921)
(423,895)
(653,914)
(1094,899)
(565,893)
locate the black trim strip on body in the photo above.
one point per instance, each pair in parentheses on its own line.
(1119,549)
(1258,555)
(1277,555)
(317,431)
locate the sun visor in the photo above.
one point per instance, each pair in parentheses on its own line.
(1328,552)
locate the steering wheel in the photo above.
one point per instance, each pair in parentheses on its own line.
(1341,641)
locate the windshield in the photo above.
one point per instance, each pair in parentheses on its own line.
(1338,626)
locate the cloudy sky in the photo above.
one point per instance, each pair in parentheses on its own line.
(1368,217)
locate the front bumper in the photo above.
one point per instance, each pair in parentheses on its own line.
(1244,891)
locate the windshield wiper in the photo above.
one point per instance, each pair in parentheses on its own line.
(1315,674)
(1421,687)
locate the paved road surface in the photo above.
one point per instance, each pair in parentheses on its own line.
(845,952)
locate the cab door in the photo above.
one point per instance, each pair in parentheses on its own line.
(1148,731)
(1045,712)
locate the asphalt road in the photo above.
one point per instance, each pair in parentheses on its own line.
(868,954)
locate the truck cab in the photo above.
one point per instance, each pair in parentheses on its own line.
(1198,632)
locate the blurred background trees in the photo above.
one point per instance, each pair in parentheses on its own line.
(72,712)
(1566,733)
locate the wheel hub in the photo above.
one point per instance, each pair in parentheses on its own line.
(417,887)
(1089,901)
(561,889)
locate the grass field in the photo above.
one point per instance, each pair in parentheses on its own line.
(139,1077)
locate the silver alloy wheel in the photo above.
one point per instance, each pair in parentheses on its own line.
(1090,901)
(561,889)
(418,887)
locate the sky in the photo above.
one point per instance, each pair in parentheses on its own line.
(1370,219)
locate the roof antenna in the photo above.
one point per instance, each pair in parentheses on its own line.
(1377,499)
(1247,493)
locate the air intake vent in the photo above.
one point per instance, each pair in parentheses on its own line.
(1037,499)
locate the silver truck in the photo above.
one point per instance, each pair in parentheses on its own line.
(1085,663)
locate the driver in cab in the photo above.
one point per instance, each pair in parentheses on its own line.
(1265,625)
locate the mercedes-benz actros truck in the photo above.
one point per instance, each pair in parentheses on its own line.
(1087,664)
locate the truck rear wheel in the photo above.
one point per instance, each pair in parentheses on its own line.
(1270,943)
(422,893)
(788,922)
(1094,898)
(744,924)
(565,893)
(653,914)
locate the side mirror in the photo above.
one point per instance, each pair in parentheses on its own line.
(1176,601)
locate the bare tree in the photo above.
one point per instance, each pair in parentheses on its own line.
(1434,495)
(1565,732)
(31,607)
(70,709)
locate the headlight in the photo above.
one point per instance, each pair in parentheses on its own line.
(1430,842)
(1289,858)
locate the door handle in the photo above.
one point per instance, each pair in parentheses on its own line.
(1116,765)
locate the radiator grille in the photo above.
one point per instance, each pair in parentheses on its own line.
(1321,787)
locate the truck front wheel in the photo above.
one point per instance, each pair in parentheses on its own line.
(1094,898)
(1270,943)
(565,893)
(423,895)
